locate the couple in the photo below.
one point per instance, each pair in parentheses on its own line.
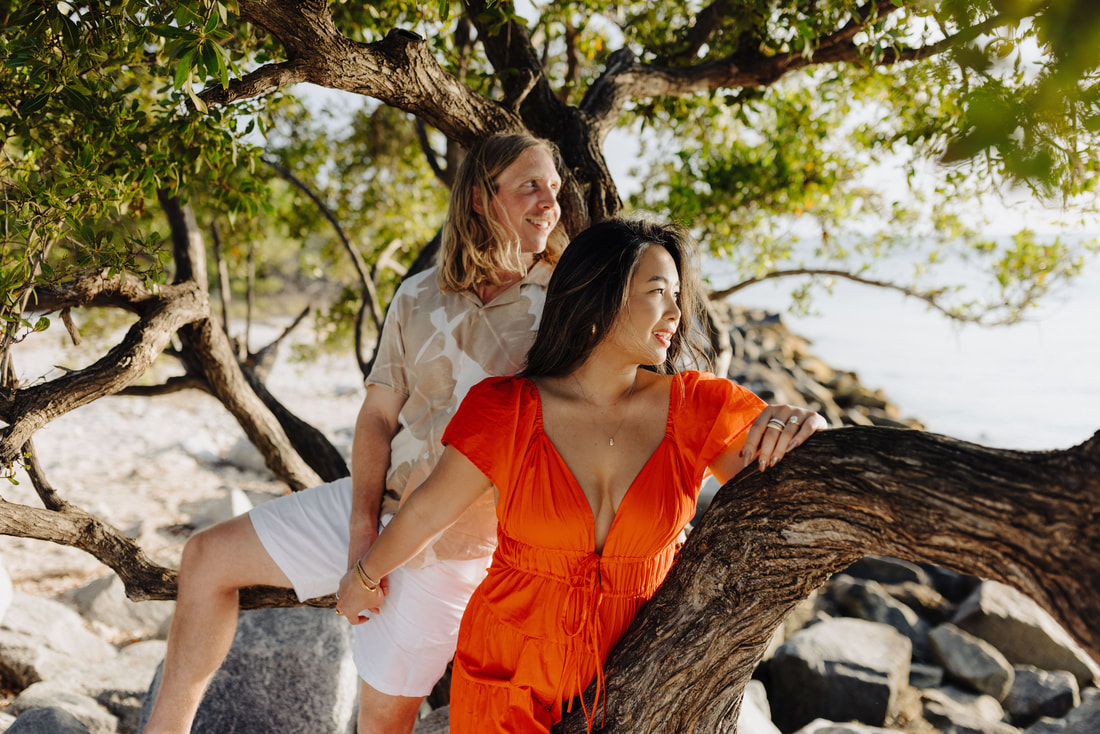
(594,464)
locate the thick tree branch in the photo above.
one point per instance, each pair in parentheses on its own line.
(34,406)
(1027,519)
(398,70)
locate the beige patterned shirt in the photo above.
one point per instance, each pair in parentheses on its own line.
(434,347)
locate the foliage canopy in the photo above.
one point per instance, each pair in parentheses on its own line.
(794,136)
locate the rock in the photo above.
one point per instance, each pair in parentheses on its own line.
(972,661)
(922,675)
(869,600)
(289,670)
(1046,726)
(756,713)
(51,695)
(1037,693)
(47,721)
(1085,719)
(823,726)
(840,669)
(104,601)
(44,640)
(119,685)
(929,604)
(954,711)
(1023,632)
(955,587)
(886,570)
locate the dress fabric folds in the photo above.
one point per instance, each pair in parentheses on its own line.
(538,629)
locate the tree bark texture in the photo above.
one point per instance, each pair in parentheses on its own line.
(1027,519)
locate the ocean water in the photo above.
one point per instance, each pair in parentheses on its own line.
(1033,385)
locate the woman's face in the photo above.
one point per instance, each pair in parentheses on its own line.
(646,324)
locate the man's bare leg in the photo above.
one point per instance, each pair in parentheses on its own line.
(380,713)
(216,563)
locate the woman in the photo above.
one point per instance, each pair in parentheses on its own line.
(597,463)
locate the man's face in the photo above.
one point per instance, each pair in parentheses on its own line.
(527,199)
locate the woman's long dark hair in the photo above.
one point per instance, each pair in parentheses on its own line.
(591,285)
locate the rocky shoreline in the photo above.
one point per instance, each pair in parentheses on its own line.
(886,646)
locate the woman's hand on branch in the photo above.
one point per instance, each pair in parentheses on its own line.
(777,430)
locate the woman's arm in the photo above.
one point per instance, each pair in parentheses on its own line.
(453,486)
(765,442)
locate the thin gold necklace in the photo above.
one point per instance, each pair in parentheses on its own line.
(629,395)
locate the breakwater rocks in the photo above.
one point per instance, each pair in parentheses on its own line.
(886,646)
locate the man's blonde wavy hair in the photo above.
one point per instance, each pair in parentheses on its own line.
(478,249)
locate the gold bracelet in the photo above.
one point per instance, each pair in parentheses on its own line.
(364,580)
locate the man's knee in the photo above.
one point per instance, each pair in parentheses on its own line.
(228,555)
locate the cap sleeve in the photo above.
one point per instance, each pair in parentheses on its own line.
(487,428)
(716,412)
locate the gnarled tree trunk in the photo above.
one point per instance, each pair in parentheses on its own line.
(1027,519)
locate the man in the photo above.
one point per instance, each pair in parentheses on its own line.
(447,329)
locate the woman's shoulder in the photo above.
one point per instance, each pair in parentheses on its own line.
(706,387)
(502,388)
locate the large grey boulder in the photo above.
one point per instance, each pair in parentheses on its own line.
(955,711)
(51,695)
(972,661)
(841,670)
(869,600)
(1039,693)
(45,640)
(47,721)
(104,601)
(1023,632)
(289,670)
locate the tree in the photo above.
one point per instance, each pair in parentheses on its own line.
(760,119)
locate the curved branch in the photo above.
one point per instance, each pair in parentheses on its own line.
(928,297)
(399,71)
(35,406)
(144,579)
(1027,519)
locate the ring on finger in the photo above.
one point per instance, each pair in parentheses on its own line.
(776,424)
(793,419)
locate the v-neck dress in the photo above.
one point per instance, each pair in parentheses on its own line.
(538,629)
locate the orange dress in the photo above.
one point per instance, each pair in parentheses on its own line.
(540,626)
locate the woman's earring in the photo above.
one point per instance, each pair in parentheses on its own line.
(593,330)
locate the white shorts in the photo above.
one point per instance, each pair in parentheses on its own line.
(404,649)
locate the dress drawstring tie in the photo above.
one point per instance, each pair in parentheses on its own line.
(582,602)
